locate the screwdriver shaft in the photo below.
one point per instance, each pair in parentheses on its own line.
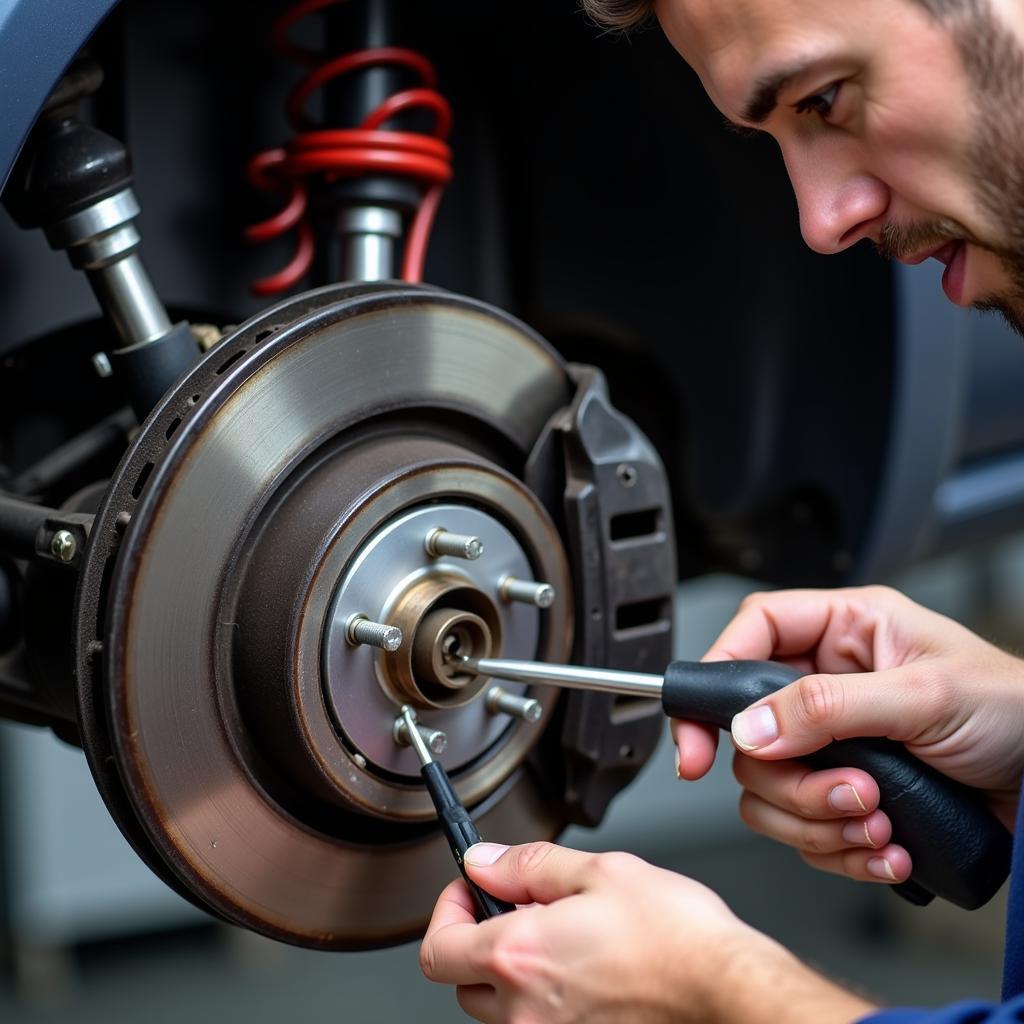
(455,820)
(573,677)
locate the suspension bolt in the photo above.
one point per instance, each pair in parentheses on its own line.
(101,364)
(542,595)
(440,542)
(361,630)
(63,546)
(435,739)
(500,702)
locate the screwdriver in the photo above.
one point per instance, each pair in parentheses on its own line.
(458,826)
(960,850)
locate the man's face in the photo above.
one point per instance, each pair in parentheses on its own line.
(894,126)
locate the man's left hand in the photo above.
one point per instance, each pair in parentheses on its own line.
(608,938)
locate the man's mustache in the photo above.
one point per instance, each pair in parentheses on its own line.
(898,241)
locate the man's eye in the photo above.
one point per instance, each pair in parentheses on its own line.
(820,103)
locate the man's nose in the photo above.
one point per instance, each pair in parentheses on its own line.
(837,209)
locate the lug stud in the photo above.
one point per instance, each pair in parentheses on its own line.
(440,542)
(361,630)
(542,595)
(435,739)
(500,702)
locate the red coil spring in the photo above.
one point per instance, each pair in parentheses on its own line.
(349,152)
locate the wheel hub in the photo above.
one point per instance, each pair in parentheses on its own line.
(393,579)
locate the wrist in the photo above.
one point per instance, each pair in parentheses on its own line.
(760,982)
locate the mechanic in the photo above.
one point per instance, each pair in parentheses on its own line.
(900,121)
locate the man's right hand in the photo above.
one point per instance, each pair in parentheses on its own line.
(877,664)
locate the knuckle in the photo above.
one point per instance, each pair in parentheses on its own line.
(753,600)
(935,688)
(819,700)
(814,840)
(873,596)
(428,959)
(806,801)
(616,866)
(531,857)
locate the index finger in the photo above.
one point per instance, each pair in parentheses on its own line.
(450,951)
(783,624)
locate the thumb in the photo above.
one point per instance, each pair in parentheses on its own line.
(532,873)
(817,709)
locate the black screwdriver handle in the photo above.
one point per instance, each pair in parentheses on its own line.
(960,850)
(461,834)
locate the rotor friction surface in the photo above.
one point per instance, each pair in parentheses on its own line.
(229,842)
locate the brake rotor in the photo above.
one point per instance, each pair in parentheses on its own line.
(285,487)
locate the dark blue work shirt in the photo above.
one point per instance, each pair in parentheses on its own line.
(1011,1009)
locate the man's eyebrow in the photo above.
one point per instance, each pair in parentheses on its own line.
(764,97)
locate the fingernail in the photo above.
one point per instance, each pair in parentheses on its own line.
(482,854)
(881,868)
(846,798)
(755,728)
(679,772)
(856,833)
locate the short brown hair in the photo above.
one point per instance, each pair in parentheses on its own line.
(620,14)
(626,14)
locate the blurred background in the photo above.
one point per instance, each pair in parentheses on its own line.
(823,421)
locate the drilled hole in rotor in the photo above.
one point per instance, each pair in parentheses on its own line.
(140,483)
(230,361)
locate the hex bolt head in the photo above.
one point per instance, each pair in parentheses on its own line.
(64,546)
(440,542)
(627,474)
(361,630)
(542,595)
(500,702)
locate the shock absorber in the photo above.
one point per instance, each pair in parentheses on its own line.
(74,182)
(369,176)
